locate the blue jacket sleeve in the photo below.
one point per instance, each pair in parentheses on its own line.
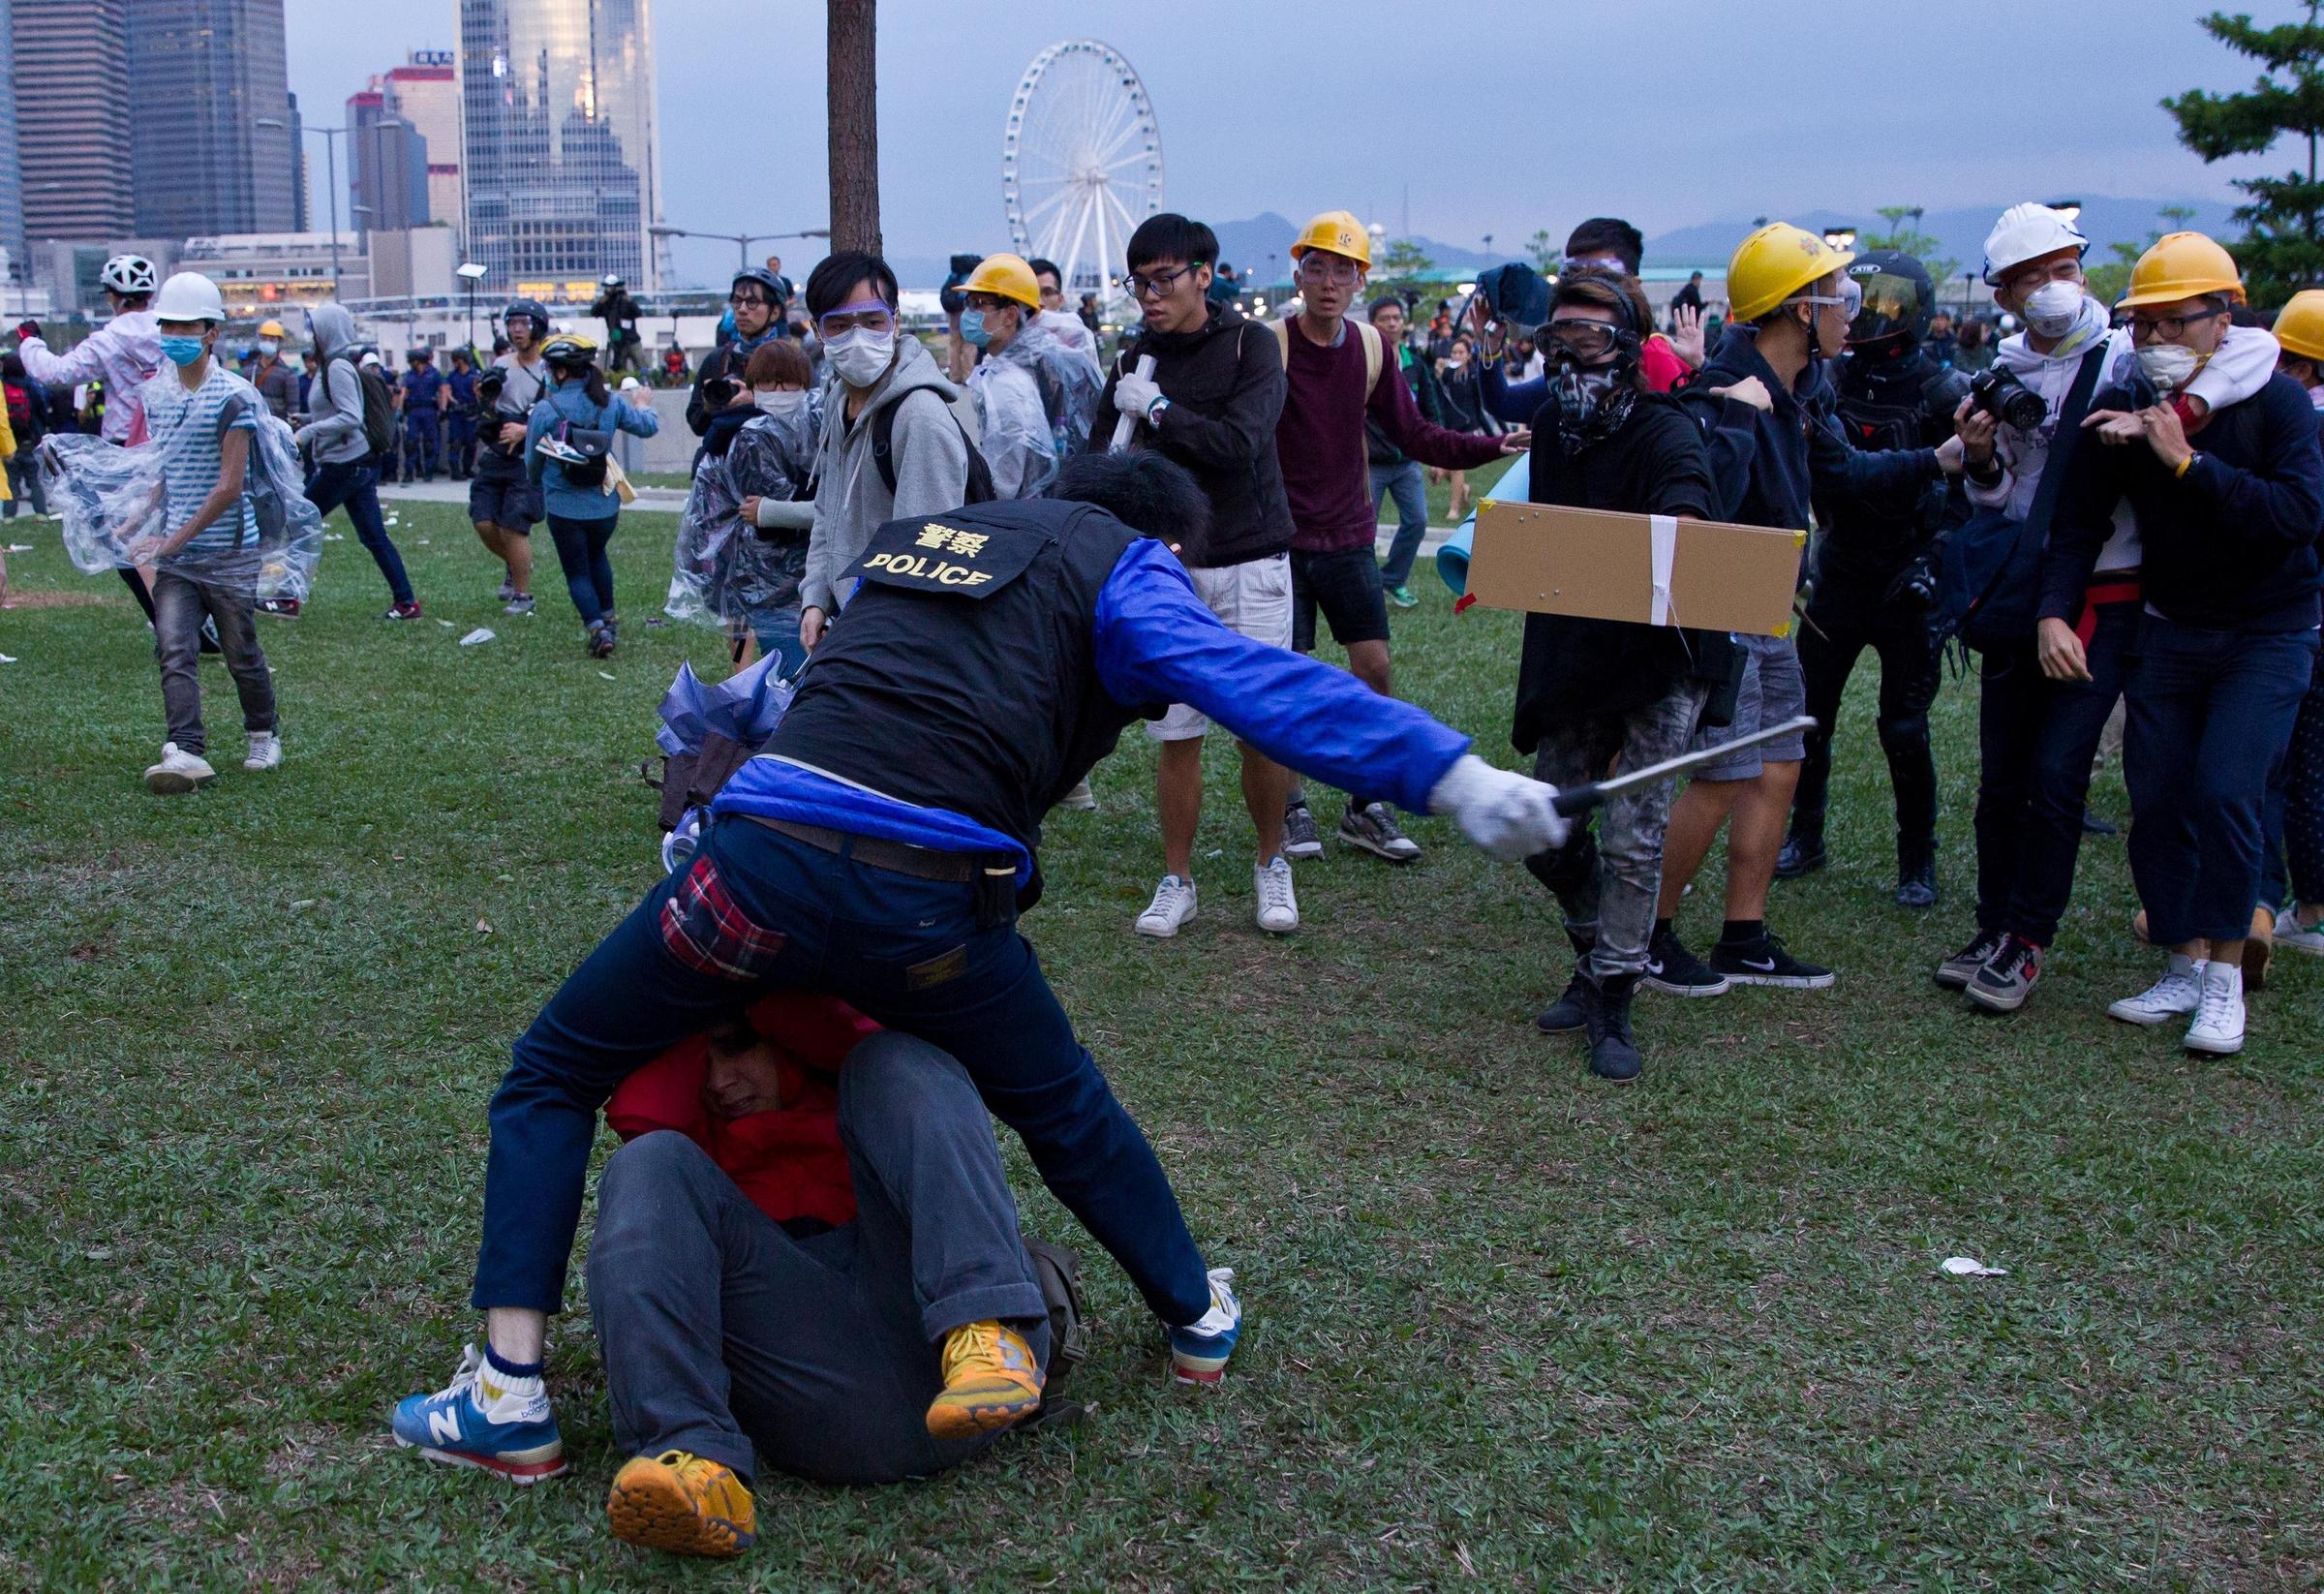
(638,422)
(1157,643)
(2275,504)
(1878,476)
(1514,403)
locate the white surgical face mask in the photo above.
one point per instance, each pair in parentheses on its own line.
(2168,366)
(2052,309)
(779,401)
(860,358)
(269,346)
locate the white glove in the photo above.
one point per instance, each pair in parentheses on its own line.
(1510,816)
(1135,395)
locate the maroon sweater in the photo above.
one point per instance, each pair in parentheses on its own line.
(1320,443)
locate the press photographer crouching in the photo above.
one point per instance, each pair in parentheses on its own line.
(2039,725)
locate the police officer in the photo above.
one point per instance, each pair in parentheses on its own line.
(423,415)
(1876,564)
(881,848)
(460,414)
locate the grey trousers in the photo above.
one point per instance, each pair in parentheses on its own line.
(179,605)
(724,1335)
(1607,886)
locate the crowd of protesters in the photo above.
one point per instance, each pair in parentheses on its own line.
(976,564)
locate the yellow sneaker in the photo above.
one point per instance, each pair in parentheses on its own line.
(990,1382)
(683,1503)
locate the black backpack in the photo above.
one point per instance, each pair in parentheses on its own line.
(883,432)
(378,408)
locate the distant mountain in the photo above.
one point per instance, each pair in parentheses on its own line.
(1961,234)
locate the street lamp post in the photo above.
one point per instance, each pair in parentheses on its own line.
(330,162)
(741,241)
(471,274)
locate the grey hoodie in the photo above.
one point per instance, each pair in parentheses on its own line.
(852,501)
(336,432)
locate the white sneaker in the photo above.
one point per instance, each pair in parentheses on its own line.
(1172,906)
(178,772)
(2219,1026)
(1278,905)
(2178,993)
(2290,932)
(265,750)
(1080,799)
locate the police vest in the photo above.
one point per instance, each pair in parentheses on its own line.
(1907,403)
(962,674)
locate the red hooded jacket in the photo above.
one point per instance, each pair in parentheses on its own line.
(788,1160)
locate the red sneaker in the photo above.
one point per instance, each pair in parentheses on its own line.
(403,611)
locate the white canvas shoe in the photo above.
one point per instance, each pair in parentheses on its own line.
(265,750)
(2219,1026)
(1172,906)
(2178,993)
(1278,913)
(178,772)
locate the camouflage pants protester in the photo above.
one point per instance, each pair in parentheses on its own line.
(1606,882)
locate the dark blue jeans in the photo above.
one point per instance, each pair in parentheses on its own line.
(1404,484)
(2296,811)
(423,441)
(724,1336)
(2211,715)
(760,910)
(588,573)
(356,486)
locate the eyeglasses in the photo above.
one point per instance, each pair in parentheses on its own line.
(869,318)
(740,300)
(1317,266)
(2166,328)
(1156,285)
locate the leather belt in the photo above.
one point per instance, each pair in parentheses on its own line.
(897,857)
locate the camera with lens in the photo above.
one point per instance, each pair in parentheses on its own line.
(951,296)
(489,382)
(2002,395)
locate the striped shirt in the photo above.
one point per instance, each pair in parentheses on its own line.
(188,428)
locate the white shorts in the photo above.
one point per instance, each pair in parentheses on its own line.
(1253,598)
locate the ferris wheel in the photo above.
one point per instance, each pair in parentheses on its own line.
(1080,164)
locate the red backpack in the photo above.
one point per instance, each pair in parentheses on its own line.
(19,407)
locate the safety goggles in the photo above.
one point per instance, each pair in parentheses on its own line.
(1156,285)
(861,317)
(2147,328)
(1587,341)
(1318,266)
(1850,298)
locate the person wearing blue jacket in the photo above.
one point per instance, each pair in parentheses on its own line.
(1770,424)
(581,505)
(2228,513)
(881,848)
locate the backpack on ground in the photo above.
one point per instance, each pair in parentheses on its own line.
(378,408)
(883,452)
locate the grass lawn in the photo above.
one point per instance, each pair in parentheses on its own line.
(1508,1328)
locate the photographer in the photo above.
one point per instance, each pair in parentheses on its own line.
(2037,731)
(1592,692)
(719,380)
(501,501)
(620,313)
(1875,572)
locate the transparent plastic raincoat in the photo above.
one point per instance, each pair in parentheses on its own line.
(741,577)
(1033,399)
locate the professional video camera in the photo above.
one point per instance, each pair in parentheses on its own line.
(951,294)
(2002,395)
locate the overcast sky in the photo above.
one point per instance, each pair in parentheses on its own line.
(1669,111)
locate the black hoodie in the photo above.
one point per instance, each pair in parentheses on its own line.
(1225,384)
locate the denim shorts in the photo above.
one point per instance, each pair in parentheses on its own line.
(1772,692)
(512,504)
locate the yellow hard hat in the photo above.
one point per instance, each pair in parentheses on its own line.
(2180,267)
(1007,275)
(2300,324)
(1775,262)
(271,329)
(1339,232)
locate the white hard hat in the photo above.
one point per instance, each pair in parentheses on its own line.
(2026,231)
(188,295)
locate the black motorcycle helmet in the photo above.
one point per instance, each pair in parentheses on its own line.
(531,311)
(1899,299)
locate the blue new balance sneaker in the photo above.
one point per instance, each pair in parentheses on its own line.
(1199,1351)
(514,1435)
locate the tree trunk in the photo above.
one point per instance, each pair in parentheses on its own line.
(852,95)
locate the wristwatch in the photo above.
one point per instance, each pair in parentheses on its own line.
(1153,412)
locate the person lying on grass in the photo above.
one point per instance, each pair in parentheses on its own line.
(800,1261)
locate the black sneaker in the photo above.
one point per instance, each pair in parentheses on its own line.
(1802,856)
(1613,1049)
(1765,962)
(1373,827)
(2009,977)
(1570,1012)
(1957,970)
(1301,839)
(1916,874)
(1673,969)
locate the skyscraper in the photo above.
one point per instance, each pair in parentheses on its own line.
(388,163)
(299,168)
(11,168)
(564,167)
(71,91)
(426,92)
(211,136)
